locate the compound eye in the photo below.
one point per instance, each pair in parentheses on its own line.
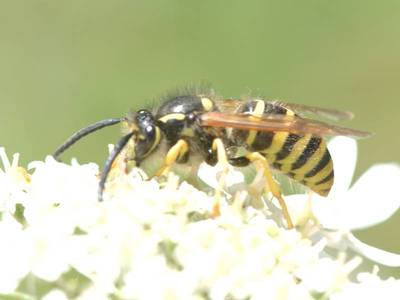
(146,142)
(142,112)
(144,116)
(149,130)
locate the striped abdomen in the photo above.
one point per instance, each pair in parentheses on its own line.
(305,158)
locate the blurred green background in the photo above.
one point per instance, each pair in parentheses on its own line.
(65,64)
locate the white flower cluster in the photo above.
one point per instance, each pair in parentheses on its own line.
(151,240)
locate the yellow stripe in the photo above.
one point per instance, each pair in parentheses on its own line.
(270,157)
(156,141)
(158,136)
(311,162)
(258,112)
(289,112)
(297,150)
(207,104)
(321,174)
(286,168)
(173,116)
(277,142)
(251,137)
(321,187)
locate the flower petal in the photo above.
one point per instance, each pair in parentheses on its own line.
(372,253)
(373,199)
(375,195)
(344,155)
(210,175)
(300,208)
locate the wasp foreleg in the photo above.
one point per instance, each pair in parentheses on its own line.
(177,151)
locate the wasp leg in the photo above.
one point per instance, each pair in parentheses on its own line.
(222,159)
(180,149)
(272,184)
(253,189)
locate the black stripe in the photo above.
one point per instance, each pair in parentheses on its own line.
(309,150)
(287,147)
(262,141)
(275,108)
(326,179)
(326,158)
(183,157)
(239,136)
(277,166)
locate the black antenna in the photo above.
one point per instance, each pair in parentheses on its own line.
(110,159)
(83,132)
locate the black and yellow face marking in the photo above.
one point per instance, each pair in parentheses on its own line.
(271,132)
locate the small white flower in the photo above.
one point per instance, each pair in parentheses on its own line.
(151,240)
(14,183)
(336,274)
(211,176)
(55,295)
(14,254)
(368,286)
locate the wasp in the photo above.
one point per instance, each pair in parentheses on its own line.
(235,132)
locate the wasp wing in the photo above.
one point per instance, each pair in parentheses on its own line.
(277,122)
(230,105)
(330,113)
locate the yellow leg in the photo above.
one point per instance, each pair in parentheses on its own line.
(272,185)
(176,151)
(219,147)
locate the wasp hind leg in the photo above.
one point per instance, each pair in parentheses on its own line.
(174,154)
(272,185)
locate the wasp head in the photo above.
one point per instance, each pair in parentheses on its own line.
(146,134)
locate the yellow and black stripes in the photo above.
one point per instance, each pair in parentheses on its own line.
(262,141)
(288,147)
(292,149)
(257,111)
(308,151)
(313,166)
(305,158)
